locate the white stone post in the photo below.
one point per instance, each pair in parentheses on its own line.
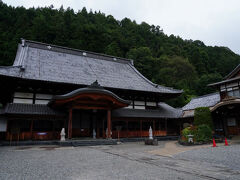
(94,134)
(150,133)
(62,134)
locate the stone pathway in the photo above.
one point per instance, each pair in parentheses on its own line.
(137,161)
(172,147)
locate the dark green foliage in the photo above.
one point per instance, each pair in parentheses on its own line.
(204,80)
(167,60)
(202,115)
(203,133)
(188,131)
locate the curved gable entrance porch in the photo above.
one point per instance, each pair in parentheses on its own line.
(94,98)
(226,116)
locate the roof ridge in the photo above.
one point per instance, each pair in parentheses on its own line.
(224,81)
(101,55)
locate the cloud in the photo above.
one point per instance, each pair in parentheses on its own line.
(215,22)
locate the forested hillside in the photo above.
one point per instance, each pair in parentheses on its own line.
(166,60)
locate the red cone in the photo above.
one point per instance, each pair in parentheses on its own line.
(226,143)
(214,143)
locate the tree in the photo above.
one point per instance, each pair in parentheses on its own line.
(176,72)
(144,61)
(166,60)
(206,79)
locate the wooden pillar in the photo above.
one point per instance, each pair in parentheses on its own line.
(225,126)
(180,126)
(127,128)
(7,130)
(53,125)
(97,128)
(166,125)
(109,126)
(70,124)
(31,128)
(141,127)
(153,127)
(103,129)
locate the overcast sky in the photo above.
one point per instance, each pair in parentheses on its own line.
(215,22)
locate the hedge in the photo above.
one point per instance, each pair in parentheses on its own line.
(202,115)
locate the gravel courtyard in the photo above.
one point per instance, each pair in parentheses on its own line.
(125,161)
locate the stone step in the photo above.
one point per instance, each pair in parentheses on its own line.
(84,142)
(94,143)
(159,138)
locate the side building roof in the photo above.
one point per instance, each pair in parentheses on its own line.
(30,109)
(208,100)
(45,62)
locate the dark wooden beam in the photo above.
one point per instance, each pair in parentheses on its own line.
(90,107)
(109,124)
(31,128)
(70,124)
(127,128)
(141,127)
(153,126)
(166,125)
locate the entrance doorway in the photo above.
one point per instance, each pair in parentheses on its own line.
(226,119)
(89,123)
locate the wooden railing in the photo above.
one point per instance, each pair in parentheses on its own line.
(54,135)
(47,135)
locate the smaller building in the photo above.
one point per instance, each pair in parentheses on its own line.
(224,104)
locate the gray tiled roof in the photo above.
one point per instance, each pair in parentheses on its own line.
(164,111)
(30,109)
(94,88)
(208,100)
(38,61)
(225,81)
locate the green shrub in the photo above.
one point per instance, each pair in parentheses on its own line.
(203,133)
(188,131)
(202,115)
